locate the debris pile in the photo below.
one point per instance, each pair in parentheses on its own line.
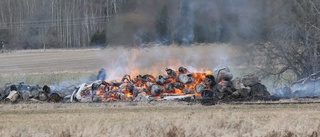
(180,84)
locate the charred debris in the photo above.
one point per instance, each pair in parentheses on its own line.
(174,85)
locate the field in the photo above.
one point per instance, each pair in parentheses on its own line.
(158,119)
(140,118)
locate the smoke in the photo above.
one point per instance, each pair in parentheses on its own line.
(190,21)
(155,59)
(184,29)
(306,88)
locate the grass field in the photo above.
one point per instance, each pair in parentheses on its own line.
(158,119)
(140,119)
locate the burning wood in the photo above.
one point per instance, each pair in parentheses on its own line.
(185,78)
(174,85)
(179,97)
(223,74)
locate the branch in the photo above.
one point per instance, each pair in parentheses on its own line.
(277,73)
(314,26)
(314,6)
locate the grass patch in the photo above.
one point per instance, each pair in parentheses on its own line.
(47,78)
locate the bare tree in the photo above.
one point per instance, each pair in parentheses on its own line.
(294,43)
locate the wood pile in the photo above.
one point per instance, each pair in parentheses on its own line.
(175,85)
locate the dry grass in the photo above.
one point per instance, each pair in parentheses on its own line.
(168,119)
(43,67)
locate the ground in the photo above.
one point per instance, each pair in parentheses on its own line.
(40,61)
(158,119)
(143,118)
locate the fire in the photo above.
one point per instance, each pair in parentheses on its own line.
(221,81)
(174,83)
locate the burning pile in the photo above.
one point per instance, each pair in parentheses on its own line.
(178,84)
(174,85)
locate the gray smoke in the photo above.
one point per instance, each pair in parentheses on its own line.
(155,59)
(306,87)
(191,21)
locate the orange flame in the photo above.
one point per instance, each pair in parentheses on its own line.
(108,92)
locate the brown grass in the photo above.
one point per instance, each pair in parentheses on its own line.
(158,119)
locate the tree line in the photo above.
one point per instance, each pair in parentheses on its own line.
(29,24)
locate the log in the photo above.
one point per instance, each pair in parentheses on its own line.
(259,91)
(180,98)
(237,84)
(138,90)
(161,79)
(223,74)
(168,94)
(13,96)
(225,87)
(77,97)
(95,98)
(200,87)
(188,91)
(169,87)
(142,97)
(185,78)
(156,89)
(178,85)
(96,85)
(183,70)
(46,89)
(121,95)
(241,90)
(207,93)
(129,99)
(35,93)
(55,97)
(210,80)
(171,73)
(149,84)
(43,96)
(250,80)
(241,93)
(25,94)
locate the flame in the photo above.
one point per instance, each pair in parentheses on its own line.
(114,91)
(221,81)
(178,91)
(101,91)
